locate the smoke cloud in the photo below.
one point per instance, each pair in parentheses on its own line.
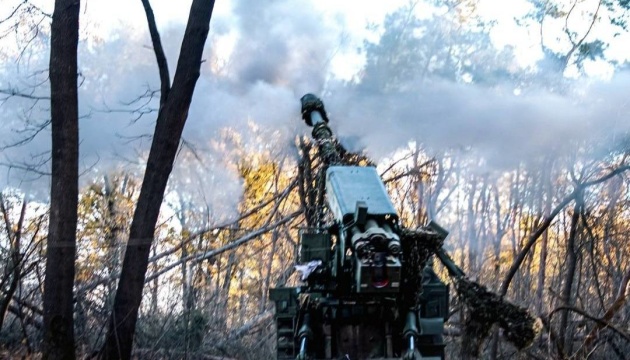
(277,51)
(505,128)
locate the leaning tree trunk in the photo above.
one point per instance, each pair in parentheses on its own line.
(571,264)
(174,104)
(58,341)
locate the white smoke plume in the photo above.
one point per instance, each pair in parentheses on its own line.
(280,50)
(503,127)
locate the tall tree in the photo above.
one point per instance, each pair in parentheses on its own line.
(573,33)
(61,245)
(174,104)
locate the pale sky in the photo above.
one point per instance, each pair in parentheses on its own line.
(350,18)
(105,16)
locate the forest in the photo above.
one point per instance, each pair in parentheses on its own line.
(156,177)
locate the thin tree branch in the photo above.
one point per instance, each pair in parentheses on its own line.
(165,79)
(545,224)
(234,244)
(620,300)
(15,93)
(532,240)
(600,321)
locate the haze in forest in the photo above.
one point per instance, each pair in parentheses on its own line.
(506,123)
(279,52)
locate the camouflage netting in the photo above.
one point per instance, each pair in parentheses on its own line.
(486,308)
(327,144)
(353,158)
(417,247)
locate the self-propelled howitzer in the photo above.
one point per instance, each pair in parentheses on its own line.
(368,291)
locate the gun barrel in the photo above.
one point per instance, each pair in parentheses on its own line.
(313,111)
(314,115)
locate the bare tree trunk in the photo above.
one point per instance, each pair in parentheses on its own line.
(534,191)
(114,230)
(547,221)
(265,289)
(224,293)
(542,263)
(419,187)
(154,291)
(518,260)
(471,232)
(174,105)
(571,261)
(13,270)
(186,284)
(58,340)
(620,299)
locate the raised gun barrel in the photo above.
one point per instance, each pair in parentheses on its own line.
(314,114)
(313,111)
(365,276)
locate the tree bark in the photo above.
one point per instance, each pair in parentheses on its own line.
(114,230)
(542,263)
(13,270)
(58,340)
(530,242)
(168,130)
(471,231)
(547,221)
(571,263)
(620,300)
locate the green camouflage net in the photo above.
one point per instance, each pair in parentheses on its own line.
(417,247)
(486,308)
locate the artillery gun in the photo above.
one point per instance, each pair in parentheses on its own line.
(370,291)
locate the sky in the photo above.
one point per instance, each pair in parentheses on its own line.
(350,17)
(261,57)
